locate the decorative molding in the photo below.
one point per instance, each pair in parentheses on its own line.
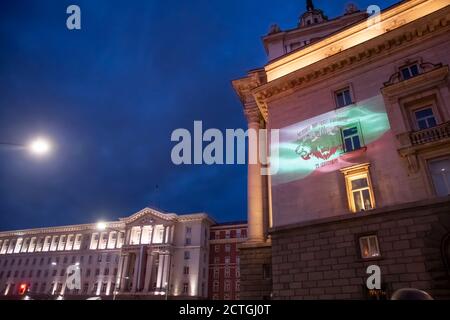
(355,56)
(394,18)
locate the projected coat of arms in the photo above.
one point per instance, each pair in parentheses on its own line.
(317,145)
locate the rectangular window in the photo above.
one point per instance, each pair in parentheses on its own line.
(359,188)
(185,288)
(351,138)
(369,247)
(186,270)
(188,241)
(216,273)
(425,118)
(440,174)
(227,272)
(361,194)
(227,287)
(227,248)
(217,248)
(409,71)
(187,255)
(343,98)
(216,286)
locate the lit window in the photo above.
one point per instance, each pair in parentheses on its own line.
(359,188)
(369,247)
(343,98)
(440,173)
(425,118)
(409,71)
(351,138)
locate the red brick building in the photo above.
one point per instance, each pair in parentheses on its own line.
(224,261)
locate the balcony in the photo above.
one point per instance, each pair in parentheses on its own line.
(430,135)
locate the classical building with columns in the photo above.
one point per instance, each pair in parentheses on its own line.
(361,169)
(149,255)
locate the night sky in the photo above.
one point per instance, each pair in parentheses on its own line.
(110,95)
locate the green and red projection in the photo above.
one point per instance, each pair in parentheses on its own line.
(317,144)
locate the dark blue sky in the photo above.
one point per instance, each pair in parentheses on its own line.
(110,95)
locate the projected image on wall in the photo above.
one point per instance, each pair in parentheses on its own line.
(323,143)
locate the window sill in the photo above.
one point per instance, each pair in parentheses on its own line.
(355,153)
(370,259)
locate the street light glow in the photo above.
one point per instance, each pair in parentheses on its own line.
(101,226)
(40,146)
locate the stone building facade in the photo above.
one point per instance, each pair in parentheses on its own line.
(149,255)
(362,160)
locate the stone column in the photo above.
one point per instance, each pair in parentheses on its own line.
(118,279)
(123,281)
(255,210)
(148,272)
(136,273)
(151,234)
(141,234)
(127,237)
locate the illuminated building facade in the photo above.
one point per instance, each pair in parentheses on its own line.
(224,260)
(362,164)
(147,255)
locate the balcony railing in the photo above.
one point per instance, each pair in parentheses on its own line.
(431,134)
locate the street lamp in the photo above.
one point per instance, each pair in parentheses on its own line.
(38,146)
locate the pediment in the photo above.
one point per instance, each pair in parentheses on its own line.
(149,216)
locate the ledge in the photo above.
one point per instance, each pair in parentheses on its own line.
(352,216)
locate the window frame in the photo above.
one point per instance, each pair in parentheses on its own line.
(359,134)
(341,90)
(408,66)
(368,237)
(416,120)
(433,184)
(355,173)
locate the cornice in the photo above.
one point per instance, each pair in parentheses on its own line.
(419,30)
(360,33)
